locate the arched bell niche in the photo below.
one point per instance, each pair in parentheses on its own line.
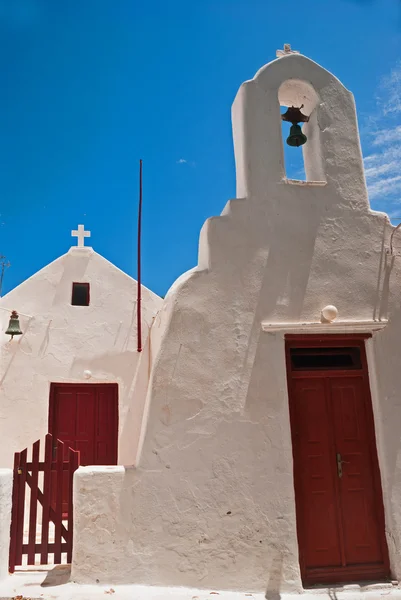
(304,163)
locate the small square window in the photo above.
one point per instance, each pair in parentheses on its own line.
(80,294)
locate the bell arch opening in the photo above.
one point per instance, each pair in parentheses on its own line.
(308,164)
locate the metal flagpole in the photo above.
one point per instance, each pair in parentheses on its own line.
(139,294)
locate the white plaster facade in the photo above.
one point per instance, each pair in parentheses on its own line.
(6,480)
(60,342)
(210,501)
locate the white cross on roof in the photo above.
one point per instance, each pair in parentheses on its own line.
(81,234)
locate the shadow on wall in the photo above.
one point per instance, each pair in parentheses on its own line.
(381,298)
(288,268)
(387,367)
(14,345)
(46,340)
(59,575)
(274,583)
(119,366)
(136,393)
(286,295)
(129,369)
(73,270)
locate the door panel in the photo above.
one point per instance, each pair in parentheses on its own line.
(65,416)
(85,426)
(340,515)
(85,417)
(356,486)
(314,453)
(105,420)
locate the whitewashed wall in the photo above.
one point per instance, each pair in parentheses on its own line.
(211,501)
(6,480)
(61,341)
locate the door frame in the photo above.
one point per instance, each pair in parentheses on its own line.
(358,573)
(66,385)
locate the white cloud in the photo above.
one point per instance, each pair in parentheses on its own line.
(391,87)
(382,187)
(385,136)
(184,161)
(383,139)
(385,162)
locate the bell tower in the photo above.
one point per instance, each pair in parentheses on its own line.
(213,473)
(303,90)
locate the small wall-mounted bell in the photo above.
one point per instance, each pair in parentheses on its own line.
(296,137)
(13,325)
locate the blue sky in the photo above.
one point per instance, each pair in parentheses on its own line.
(90,86)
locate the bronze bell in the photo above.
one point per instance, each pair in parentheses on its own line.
(13,325)
(296,137)
(294,116)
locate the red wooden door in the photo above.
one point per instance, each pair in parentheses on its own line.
(85,417)
(361,527)
(340,518)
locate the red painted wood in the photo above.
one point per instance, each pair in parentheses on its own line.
(14,515)
(59,502)
(52,512)
(357,493)
(21,479)
(58,469)
(41,466)
(340,520)
(73,461)
(64,420)
(85,417)
(318,515)
(46,499)
(51,548)
(33,508)
(106,426)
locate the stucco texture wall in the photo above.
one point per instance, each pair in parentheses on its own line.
(61,341)
(6,481)
(211,501)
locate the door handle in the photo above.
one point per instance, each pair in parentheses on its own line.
(340,463)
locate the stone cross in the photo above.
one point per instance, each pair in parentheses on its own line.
(287,50)
(81,234)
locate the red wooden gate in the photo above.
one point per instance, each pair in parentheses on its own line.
(24,531)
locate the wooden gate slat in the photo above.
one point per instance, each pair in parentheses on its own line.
(14,515)
(73,459)
(50,547)
(33,509)
(66,466)
(21,479)
(52,512)
(59,502)
(52,469)
(46,499)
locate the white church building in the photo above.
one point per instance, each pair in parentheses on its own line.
(258,444)
(74,371)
